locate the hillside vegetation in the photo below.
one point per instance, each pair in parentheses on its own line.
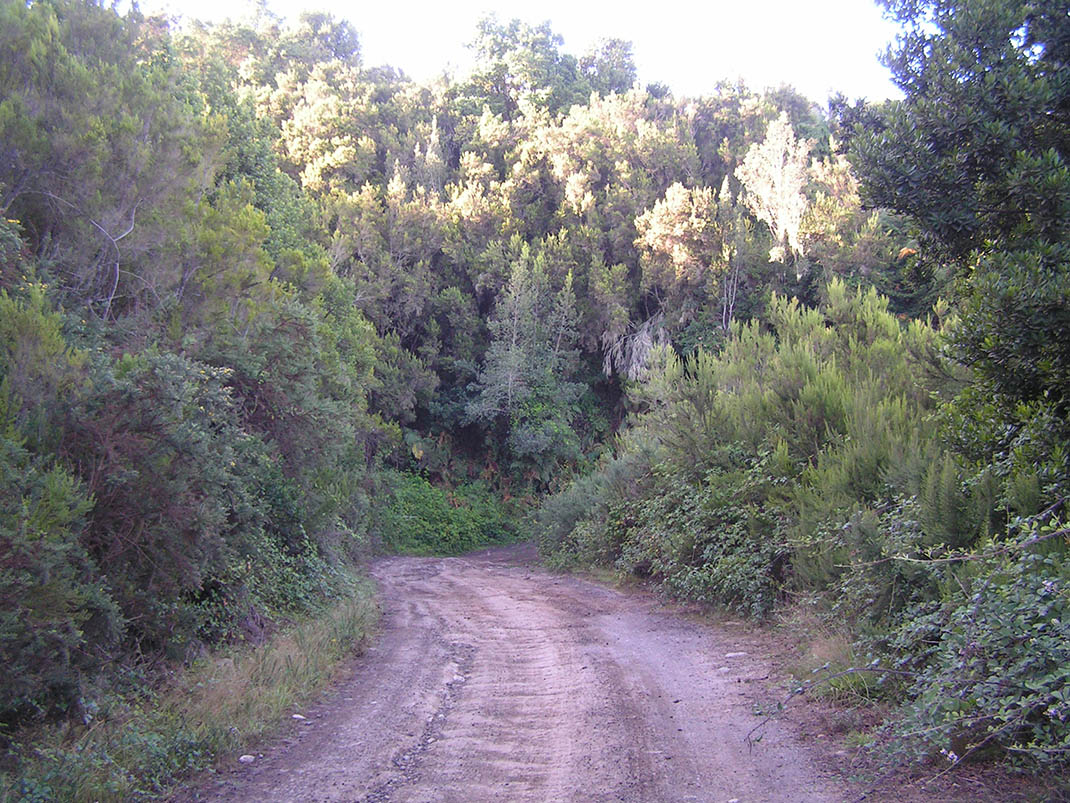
(265,308)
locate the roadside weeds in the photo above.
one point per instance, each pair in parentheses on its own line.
(145,741)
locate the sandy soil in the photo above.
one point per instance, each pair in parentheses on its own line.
(492,679)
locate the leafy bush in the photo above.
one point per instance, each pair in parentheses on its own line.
(718,542)
(568,527)
(755,458)
(161,436)
(140,739)
(425,520)
(993,656)
(57,619)
(741,555)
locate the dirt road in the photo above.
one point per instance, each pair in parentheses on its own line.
(492,679)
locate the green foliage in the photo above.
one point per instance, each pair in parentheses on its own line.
(609,66)
(973,152)
(569,526)
(424,520)
(138,742)
(991,658)
(525,382)
(977,156)
(752,453)
(15,267)
(519,65)
(57,618)
(40,369)
(161,434)
(720,542)
(154,467)
(103,142)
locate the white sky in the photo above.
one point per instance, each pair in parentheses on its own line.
(815,46)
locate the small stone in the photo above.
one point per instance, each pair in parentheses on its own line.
(299,717)
(247,759)
(734,654)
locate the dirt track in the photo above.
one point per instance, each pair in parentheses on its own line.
(494,680)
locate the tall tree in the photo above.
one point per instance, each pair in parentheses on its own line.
(102,143)
(609,66)
(773,175)
(526,385)
(518,64)
(977,153)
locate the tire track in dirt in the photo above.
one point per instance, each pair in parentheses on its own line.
(494,680)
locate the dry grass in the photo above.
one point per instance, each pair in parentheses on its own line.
(141,745)
(820,652)
(250,691)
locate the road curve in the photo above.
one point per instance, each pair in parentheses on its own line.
(492,679)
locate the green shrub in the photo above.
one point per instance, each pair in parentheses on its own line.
(993,656)
(799,431)
(202,531)
(161,436)
(426,520)
(142,737)
(583,505)
(720,542)
(57,619)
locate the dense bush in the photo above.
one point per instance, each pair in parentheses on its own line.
(158,440)
(157,503)
(569,526)
(57,618)
(793,424)
(991,659)
(426,520)
(720,541)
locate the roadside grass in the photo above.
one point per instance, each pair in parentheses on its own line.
(140,742)
(825,659)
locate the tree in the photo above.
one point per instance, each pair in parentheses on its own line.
(693,244)
(773,175)
(525,385)
(387,242)
(984,126)
(518,64)
(102,141)
(977,153)
(609,66)
(843,239)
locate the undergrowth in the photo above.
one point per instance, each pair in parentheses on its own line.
(423,519)
(139,741)
(812,458)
